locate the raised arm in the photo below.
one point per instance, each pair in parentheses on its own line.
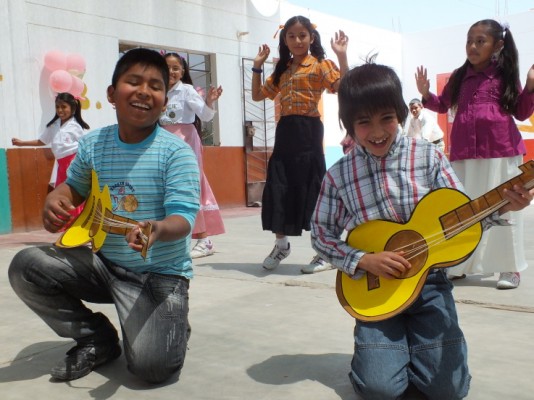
(530,79)
(213,95)
(18,142)
(422,82)
(339,45)
(260,58)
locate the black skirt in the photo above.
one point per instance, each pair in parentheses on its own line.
(294,175)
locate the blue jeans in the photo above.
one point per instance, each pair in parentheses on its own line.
(152,308)
(423,346)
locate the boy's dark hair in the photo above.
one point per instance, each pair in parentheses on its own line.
(144,57)
(76,107)
(316,49)
(367,89)
(507,63)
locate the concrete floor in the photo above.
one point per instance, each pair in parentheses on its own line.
(260,335)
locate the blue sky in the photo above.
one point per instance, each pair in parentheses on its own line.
(417,15)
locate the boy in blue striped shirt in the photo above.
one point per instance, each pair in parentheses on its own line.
(153,178)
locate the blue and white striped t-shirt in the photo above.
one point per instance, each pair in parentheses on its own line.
(147,181)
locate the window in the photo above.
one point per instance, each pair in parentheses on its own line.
(200,70)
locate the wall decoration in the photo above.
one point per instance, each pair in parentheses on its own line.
(66,74)
(60,81)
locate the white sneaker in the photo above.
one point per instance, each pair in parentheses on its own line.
(202,249)
(508,280)
(317,264)
(277,254)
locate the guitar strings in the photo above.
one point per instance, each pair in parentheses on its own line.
(437,238)
(423,244)
(100,218)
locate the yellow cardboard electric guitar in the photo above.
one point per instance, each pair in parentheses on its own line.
(96,221)
(443,230)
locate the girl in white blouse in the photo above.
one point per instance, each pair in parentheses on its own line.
(185,109)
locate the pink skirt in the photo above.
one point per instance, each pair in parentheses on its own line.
(209,220)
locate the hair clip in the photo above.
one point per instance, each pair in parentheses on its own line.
(163,52)
(278,30)
(314,26)
(504,26)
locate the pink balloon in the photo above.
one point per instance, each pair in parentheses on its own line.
(77,87)
(54,60)
(60,81)
(75,63)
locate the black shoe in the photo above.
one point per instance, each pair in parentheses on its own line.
(456,277)
(82,359)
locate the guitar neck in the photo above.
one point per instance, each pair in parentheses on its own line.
(476,210)
(121,225)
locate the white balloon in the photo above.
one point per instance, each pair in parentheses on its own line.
(266,7)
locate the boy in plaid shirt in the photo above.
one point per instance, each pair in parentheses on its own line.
(384,177)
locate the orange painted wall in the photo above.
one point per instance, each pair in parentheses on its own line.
(225,169)
(29,173)
(530,150)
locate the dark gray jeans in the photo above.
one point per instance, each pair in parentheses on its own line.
(152,308)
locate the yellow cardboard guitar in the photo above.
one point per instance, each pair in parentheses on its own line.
(443,230)
(97,220)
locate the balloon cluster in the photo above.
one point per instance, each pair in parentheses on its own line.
(66,72)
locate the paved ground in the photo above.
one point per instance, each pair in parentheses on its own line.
(259,335)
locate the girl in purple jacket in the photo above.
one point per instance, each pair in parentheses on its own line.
(485,95)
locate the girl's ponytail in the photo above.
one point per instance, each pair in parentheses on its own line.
(78,115)
(508,61)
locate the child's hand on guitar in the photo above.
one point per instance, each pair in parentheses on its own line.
(137,240)
(56,212)
(518,198)
(386,264)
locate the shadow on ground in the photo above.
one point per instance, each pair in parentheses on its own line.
(38,359)
(328,369)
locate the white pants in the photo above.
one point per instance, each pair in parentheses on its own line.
(501,248)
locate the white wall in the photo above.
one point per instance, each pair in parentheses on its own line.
(95,28)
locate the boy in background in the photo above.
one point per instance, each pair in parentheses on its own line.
(422,125)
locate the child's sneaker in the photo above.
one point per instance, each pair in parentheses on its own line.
(317,264)
(277,254)
(508,280)
(202,249)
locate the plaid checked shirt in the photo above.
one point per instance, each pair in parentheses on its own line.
(301,90)
(361,187)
